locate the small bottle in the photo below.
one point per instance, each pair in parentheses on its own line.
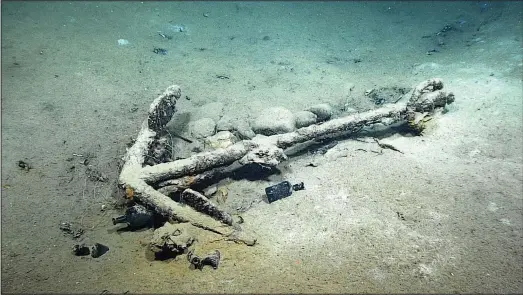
(136,216)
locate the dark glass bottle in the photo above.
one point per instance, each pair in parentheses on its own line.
(136,216)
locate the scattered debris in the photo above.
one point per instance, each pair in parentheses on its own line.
(212,259)
(94,175)
(265,152)
(168,37)
(73,231)
(24,165)
(96,250)
(160,51)
(387,146)
(171,240)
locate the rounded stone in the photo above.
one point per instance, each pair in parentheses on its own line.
(202,128)
(274,120)
(305,118)
(323,111)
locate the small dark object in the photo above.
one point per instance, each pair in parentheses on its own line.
(298,187)
(23,165)
(98,250)
(430,52)
(211,259)
(136,216)
(222,77)
(187,97)
(278,191)
(80,250)
(356,60)
(193,259)
(160,51)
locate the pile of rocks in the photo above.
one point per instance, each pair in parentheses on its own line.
(209,129)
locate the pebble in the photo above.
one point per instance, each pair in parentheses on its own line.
(123,42)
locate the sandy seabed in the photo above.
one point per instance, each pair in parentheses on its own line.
(445,216)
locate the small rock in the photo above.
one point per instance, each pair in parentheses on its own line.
(244,130)
(213,110)
(349,110)
(274,120)
(209,191)
(305,118)
(224,124)
(123,42)
(179,123)
(221,139)
(323,111)
(202,128)
(196,146)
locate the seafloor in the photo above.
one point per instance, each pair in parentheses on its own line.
(444,216)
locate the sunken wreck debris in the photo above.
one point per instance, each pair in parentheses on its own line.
(155,185)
